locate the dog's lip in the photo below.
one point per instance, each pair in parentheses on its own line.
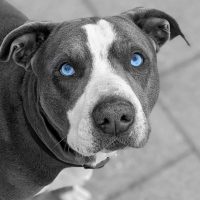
(115,145)
(64,153)
(58,147)
(101,164)
(71,157)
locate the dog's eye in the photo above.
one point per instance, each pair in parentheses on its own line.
(137,60)
(67,70)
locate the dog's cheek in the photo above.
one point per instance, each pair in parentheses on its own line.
(139,90)
(58,96)
(53,106)
(54,110)
(153,87)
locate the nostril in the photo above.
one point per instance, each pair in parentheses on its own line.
(107,125)
(105,121)
(125,118)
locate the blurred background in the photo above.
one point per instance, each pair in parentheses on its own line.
(168,168)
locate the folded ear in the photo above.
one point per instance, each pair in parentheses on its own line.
(23,42)
(158,25)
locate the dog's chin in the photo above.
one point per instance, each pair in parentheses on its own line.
(108,151)
(97,153)
(93,160)
(102,157)
(98,157)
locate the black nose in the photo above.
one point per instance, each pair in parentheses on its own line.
(113,116)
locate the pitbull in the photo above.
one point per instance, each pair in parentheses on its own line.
(73,92)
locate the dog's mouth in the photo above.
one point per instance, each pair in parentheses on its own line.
(114,146)
(64,153)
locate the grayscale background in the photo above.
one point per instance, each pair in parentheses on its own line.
(168,168)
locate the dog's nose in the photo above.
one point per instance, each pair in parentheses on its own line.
(113,116)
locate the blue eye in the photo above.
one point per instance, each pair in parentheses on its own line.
(137,60)
(67,70)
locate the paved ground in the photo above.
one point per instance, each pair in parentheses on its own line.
(168,168)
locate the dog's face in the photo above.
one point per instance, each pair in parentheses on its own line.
(97,77)
(104,104)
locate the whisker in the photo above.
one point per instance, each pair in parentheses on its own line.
(59,142)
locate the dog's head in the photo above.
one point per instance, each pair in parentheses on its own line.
(97,77)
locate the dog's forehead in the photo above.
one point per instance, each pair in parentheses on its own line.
(100,36)
(80,38)
(116,32)
(95,34)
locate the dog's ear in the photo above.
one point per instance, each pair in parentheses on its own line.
(23,42)
(158,25)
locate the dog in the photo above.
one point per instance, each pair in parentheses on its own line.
(74,92)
